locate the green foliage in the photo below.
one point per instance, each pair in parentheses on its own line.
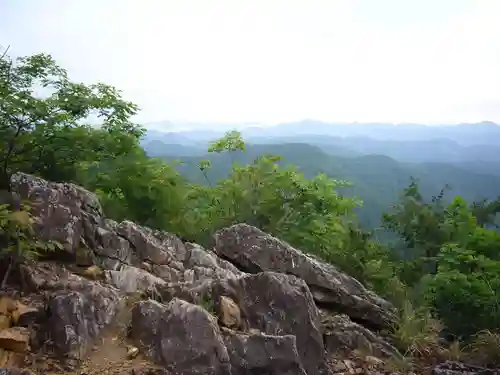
(454,260)
(232,141)
(416,333)
(308,213)
(42,120)
(17,238)
(138,188)
(446,262)
(485,348)
(376,180)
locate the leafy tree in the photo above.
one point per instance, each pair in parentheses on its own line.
(42,116)
(204,166)
(420,226)
(486,212)
(232,142)
(308,213)
(462,285)
(134,187)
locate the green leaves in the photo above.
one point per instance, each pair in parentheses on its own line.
(450,260)
(42,120)
(232,141)
(17,238)
(452,257)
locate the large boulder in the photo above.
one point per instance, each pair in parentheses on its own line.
(341,334)
(182,337)
(73,217)
(76,318)
(278,304)
(262,354)
(156,247)
(272,303)
(185,339)
(255,251)
(76,309)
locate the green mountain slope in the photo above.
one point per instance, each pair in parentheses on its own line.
(376,179)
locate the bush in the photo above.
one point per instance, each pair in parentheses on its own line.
(17,238)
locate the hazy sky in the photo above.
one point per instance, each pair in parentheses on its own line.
(269,61)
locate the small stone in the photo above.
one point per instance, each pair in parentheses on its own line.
(349,366)
(147,266)
(15,339)
(5,322)
(7,305)
(132,352)
(24,315)
(254,331)
(229,313)
(93,272)
(9,359)
(3,357)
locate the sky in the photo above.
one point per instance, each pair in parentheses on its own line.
(271,61)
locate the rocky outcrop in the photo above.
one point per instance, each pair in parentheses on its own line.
(255,251)
(73,217)
(246,307)
(259,353)
(182,337)
(340,334)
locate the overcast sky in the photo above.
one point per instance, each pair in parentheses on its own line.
(428,61)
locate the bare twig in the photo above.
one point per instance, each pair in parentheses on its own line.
(5,52)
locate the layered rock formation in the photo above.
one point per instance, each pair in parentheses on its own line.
(247,306)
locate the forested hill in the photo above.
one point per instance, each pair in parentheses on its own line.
(376,179)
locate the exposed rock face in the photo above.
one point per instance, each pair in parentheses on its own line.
(182,337)
(73,216)
(278,304)
(263,354)
(76,310)
(130,279)
(269,303)
(256,251)
(340,333)
(205,315)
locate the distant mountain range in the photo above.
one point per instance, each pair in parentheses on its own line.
(483,133)
(472,146)
(378,159)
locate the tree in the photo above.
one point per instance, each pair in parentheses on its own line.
(42,115)
(420,227)
(135,187)
(486,212)
(462,285)
(308,213)
(231,142)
